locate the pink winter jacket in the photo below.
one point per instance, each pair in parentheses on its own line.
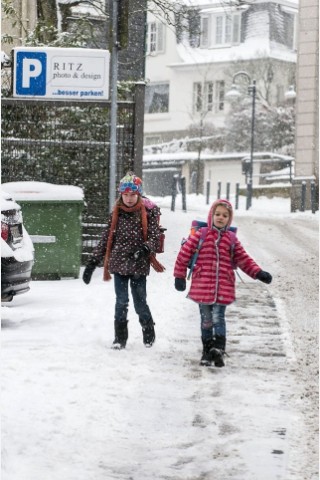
(213,278)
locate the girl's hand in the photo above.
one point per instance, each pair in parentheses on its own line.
(180,284)
(264,277)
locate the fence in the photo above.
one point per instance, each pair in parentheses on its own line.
(67,143)
(178,186)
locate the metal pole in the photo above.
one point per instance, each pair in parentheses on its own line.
(219,190)
(228,191)
(303,196)
(313,197)
(208,192)
(183,191)
(237,196)
(252,89)
(114,106)
(173,193)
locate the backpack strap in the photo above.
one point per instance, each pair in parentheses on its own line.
(148,203)
(204,231)
(233,237)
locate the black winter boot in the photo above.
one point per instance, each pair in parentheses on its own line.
(149,335)
(206,358)
(217,350)
(220,342)
(212,353)
(217,357)
(120,335)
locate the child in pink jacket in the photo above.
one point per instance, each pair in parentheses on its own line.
(213,278)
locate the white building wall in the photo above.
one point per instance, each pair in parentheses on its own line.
(307,131)
(27,12)
(181,66)
(307,106)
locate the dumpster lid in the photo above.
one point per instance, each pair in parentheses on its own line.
(43,191)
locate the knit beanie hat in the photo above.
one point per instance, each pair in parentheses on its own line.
(224,203)
(130,183)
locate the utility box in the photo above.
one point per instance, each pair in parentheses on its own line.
(52,215)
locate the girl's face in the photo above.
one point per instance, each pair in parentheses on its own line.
(221,217)
(129,199)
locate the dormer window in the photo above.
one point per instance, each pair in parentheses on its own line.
(220,29)
(155,38)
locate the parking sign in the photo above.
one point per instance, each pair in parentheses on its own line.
(31,73)
(61,73)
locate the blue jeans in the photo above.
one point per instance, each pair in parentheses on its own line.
(212,320)
(138,284)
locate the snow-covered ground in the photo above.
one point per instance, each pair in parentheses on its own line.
(73,409)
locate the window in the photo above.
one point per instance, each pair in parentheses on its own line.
(157,98)
(220,30)
(155,37)
(291,32)
(204,38)
(152,140)
(220,96)
(227,29)
(290,19)
(197,97)
(208,97)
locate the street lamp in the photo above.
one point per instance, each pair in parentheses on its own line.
(234,94)
(290,94)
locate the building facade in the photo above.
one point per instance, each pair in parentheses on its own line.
(190,66)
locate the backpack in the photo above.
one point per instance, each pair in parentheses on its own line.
(150,204)
(195,226)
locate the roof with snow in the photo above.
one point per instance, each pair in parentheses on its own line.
(233,3)
(264,33)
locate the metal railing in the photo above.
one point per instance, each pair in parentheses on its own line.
(67,143)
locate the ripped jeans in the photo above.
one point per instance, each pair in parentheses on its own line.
(212,320)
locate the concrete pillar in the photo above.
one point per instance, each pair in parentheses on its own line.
(307,112)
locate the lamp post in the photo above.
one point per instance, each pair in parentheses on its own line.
(290,94)
(232,94)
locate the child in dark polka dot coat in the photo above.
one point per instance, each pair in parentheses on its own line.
(128,245)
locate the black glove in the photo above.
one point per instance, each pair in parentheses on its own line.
(264,277)
(142,252)
(180,284)
(88,271)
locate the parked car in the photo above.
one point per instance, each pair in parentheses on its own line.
(17,252)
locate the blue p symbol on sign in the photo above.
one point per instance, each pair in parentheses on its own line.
(31,73)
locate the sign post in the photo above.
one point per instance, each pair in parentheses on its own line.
(114,106)
(61,73)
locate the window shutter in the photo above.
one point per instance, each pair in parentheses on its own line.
(160,37)
(219,29)
(236,29)
(228,29)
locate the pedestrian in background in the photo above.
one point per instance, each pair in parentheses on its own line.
(128,245)
(213,277)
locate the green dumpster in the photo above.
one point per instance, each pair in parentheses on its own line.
(52,217)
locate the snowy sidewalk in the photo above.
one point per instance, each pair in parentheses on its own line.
(73,409)
(76,410)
